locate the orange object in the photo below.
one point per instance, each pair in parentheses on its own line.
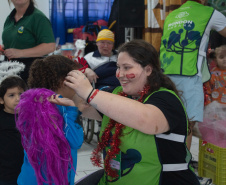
(1,49)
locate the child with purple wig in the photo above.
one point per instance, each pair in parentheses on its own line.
(50,133)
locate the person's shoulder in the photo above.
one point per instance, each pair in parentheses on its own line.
(170,105)
(192,5)
(38,13)
(218,14)
(217,69)
(2,112)
(89,55)
(165,95)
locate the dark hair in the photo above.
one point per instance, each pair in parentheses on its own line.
(50,72)
(145,54)
(11,82)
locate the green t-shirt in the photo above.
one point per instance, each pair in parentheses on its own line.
(32,29)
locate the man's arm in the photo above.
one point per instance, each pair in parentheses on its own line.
(223,32)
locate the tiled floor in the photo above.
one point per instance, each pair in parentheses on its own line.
(85,166)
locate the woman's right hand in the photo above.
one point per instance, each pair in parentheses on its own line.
(79,83)
(91,75)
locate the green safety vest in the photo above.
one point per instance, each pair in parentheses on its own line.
(146,171)
(182,34)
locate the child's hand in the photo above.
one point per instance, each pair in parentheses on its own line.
(80,103)
(61,101)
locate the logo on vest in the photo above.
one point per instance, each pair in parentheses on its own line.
(21,30)
(182,14)
(180,41)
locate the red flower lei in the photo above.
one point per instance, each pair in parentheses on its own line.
(114,141)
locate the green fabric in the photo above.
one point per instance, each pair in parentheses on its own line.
(28,32)
(181,38)
(147,170)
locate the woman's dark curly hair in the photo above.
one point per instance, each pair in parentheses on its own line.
(11,82)
(50,72)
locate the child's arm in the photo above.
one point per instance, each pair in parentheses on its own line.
(87,110)
(72,130)
(77,101)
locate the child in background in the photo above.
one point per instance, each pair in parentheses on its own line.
(11,150)
(215,87)
(213,127)
(50,135)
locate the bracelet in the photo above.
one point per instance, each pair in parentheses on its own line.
(93,95)
(89,95)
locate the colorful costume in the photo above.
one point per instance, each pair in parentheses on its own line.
(215,87)
(11,150)
(47,133)
(153,159)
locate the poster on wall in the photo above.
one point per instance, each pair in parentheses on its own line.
(219,5)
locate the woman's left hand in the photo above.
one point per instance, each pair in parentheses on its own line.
(79,83)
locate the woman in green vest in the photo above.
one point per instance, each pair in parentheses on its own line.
(144,126)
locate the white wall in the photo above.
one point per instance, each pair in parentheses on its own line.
(5,10)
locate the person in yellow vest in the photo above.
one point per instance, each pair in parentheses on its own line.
(144,126)
(183,52)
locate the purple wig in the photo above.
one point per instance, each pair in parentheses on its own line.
(41,126)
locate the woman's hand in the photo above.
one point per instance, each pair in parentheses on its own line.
(91,75)
(79,83)
(13,53)
(61,101)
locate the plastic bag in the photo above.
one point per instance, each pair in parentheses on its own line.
(213,127)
